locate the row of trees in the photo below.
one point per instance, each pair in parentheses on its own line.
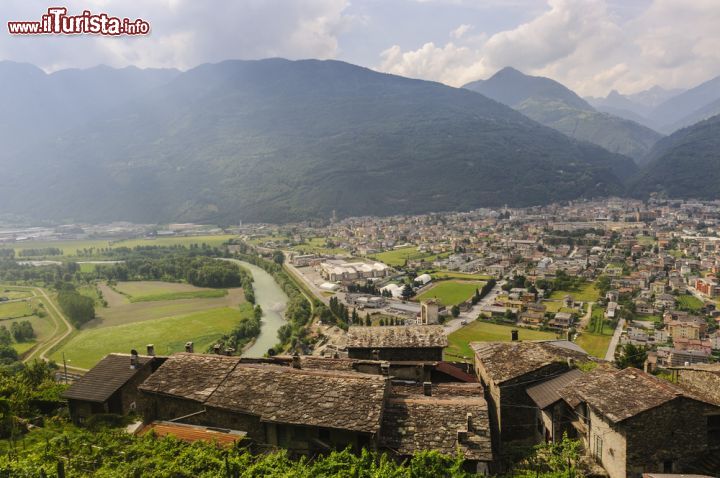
(78,308)
(43,251)
(245,331)
(20,331)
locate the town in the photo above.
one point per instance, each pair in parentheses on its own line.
(486,332)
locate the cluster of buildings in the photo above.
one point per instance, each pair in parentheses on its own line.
(395,393)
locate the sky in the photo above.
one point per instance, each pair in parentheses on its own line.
(591,46)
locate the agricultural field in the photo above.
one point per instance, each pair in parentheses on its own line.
(168,334)
(645,240)
(70,248)
(451,292)
(122,309)
(555,306)
(25,310)
(585,293)
(149,291)
(316,245)
(690,302)
(482,331)
(596,339)
(397,257)
(14,293)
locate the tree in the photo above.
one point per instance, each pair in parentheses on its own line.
(630,355)
(278,257)
(407,292)
(455,311)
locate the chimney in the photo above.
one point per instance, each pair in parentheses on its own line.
(189,347)
(296,361)
(385,368)
(427,389)
(229,351)
(217,348)
(134,361)
(514,335)
(151,350)
(376,354)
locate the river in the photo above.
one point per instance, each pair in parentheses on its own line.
(273,301)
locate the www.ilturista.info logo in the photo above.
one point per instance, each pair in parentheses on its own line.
(58,22)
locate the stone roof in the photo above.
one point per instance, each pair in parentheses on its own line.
(621,394)
(105,378)
(505,361)
(327,363)
(442,390)
(412,423)
(414,336)
(547,393)
(190,376)
(331,399)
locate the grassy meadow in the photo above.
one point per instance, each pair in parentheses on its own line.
(168,334)
(482,331)
(23,310)
(451,292)
(585,293)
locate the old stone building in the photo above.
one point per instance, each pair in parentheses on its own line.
(507,370)
(110,387)
(424,342)
(313,404)
(633,423)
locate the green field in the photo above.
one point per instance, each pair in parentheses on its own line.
(690,302)
(585,293)
(13,293)
(595,345)
(70,248)
(168,335)
(10,310)
(459,275)
(645,240)
(598,324)
(122,309)
(451,292)
(481,331)
(397,257)
(555,306)
(316,245)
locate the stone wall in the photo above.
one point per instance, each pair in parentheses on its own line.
(707,383)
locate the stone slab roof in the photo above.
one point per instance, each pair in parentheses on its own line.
(414,336)
(505,361)
(438,390)
(190,376)
(105,378)
(412,423)
(331,399)
(621,394)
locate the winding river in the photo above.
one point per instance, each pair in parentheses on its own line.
(273,301)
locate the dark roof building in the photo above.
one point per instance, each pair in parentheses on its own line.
(422,342)
(110,386)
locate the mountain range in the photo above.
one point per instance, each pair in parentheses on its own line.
(277,140)
(552,104)
(665,110)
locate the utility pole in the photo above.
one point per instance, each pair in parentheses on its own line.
(65,368)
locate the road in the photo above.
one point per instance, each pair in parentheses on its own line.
(62,329)
(317,292)
(610,355)
(472,314)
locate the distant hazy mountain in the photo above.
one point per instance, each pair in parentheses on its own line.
(689,107)
(552,104)
(685,164)
(278,140)
(37,106)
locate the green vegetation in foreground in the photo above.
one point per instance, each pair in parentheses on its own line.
(198,294)
(451,292)
(482,331)
(690,303)
(167,334)
(585,293)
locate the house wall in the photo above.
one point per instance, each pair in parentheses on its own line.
(129,393)
(400,354)
(606,444)
(676,431)
(81,410)
(707,383)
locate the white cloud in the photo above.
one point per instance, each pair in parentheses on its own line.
(583,44)
(460,31)
(185,33)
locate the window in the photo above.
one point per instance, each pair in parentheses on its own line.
(667,466)
(598,448)
(713,430)
(324,434)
